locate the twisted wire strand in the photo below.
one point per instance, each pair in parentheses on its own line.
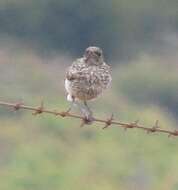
(107,122)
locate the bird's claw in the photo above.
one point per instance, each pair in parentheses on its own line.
(88,119)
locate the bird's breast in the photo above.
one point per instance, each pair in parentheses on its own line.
(88,83)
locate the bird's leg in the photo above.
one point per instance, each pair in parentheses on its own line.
(87,113)
(88,109)
(83,108)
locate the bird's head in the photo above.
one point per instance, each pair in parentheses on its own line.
(93,56)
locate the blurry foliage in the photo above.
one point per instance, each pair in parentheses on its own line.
(46,152)
(151,81)
(120,27)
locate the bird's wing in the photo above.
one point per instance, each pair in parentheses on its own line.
(104,74)
(75,71)
(99,76)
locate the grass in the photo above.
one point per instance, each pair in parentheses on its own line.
(45,152)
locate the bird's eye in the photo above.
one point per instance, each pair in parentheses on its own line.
(98,53)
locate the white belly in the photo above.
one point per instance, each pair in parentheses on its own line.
(67,86)
(80,91)
(69,90)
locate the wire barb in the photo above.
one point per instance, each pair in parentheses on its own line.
(154,128)
(174,133)
(17,106)
(108,122)
(39,110)
(131,125)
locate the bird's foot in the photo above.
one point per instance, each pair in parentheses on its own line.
(89,119)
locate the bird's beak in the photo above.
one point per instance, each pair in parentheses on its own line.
(87,57)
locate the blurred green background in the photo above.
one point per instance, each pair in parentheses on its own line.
(39,39)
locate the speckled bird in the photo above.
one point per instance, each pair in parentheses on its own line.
(86,79)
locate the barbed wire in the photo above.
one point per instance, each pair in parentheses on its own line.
(107,122)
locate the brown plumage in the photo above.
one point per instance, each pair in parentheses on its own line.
(87,77)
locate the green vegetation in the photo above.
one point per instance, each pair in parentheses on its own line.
(45,152)
(121,27)
(37,42)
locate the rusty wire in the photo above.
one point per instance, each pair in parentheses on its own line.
(107,122)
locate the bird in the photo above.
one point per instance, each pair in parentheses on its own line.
(86,79)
